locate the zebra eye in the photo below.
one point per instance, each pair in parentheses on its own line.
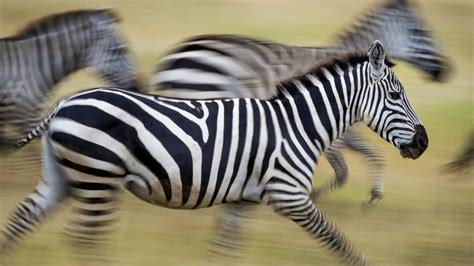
(394,95)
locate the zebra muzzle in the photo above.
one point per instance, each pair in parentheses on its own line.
(417,146)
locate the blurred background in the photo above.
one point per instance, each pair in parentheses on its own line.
(426,216)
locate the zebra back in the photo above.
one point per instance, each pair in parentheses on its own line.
(75,19)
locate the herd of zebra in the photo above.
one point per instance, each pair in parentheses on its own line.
(235,120)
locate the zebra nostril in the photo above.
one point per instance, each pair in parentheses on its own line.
(421,143)
(421,138)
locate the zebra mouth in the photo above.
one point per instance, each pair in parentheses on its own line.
(407,151)
(417,146)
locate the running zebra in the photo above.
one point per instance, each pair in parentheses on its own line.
(236,66)
(189,154)
(46,51)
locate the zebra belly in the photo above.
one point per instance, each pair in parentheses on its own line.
(152,191)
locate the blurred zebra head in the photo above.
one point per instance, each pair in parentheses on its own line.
(405,35)
(385,107)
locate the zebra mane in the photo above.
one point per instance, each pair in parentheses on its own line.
(51,22)
(229,38)
(333,65)
(239,40)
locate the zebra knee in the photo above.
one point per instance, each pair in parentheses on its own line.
(338,163)
(290,206)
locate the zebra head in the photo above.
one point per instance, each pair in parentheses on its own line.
(405,35)
(386,109)
(109,54)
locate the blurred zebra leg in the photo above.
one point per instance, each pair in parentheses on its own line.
(94,212)
(230,232)
(376,164)
(300,209)
(336,159)
(51,190)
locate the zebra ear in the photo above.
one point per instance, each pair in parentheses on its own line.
(376,58)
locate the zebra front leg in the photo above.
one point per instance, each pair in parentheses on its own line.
(336,159)
(51,190)
(376,165)
(298,207)
(230,232)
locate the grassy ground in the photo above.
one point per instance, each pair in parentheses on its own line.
(426,217)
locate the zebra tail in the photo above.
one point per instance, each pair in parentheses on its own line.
(38,130)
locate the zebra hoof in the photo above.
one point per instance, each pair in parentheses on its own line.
(366,206)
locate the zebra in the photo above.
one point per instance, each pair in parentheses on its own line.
(189,154)
(238,66)
(46,51)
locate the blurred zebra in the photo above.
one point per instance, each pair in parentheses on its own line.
(236,66)
(464,161)
(189,154)
(49,49)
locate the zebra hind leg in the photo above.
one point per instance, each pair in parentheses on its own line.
(94,212)
(336,159)
(298,207)
(50,191)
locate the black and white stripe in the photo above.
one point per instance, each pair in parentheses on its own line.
(46,51)
(189,154)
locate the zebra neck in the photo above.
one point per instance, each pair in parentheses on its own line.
(46,55)
(69,53)
(325,103)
